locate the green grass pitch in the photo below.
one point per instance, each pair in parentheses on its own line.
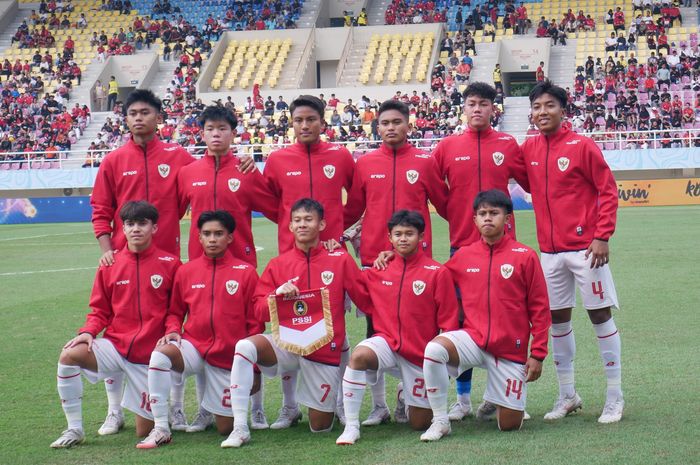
(654,262)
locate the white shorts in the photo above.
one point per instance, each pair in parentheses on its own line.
(317,386)
(392,363)
(505,380)
(566,270)
(111,362)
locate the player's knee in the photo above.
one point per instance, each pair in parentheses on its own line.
(160,361)
(359,358)
(509,420)
(436,352)
(599,316)
(246,349)
(321,426)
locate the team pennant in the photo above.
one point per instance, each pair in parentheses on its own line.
(301,324)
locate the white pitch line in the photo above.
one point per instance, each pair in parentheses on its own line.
(17,273)
(43,235)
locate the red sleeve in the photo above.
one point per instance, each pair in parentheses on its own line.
(103,200)
(439,157)
(253,324)
(263,289)
(518,168)
(537,307)
(602,177)
(262,199)
(356,202)
(349,170)
(178,308)
(270,177)
(100,303)
(436,188)
(446,301)
(183,198)
(356,285)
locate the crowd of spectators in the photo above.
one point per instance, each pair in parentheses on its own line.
(414,12)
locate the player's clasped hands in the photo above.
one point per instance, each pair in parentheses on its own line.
(600,252)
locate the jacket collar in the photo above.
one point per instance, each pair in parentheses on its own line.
(152,145)
(315,148)
(225,159)
(219,261)
(410,260)
(314,252)
(561,134)
(405,149)
(500,245)
(141,255)
(471,132)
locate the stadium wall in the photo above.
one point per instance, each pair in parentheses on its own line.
(336,7)
(8,13)
(131,72)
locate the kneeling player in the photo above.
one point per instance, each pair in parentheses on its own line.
(135,288)
(215,293)
(414,300)
(307,266)
(504,292)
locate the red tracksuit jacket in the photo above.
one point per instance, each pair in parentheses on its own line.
(216,296)
(414,299)
(573,191)
(319,171)
(473,162)
(132,173)
(130,301)
(504,295)
(386,181)
(311,271)
(204,187)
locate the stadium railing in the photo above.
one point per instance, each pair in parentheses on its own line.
(630,140)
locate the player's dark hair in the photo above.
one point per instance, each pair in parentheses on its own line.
(308,205)
(145,96)
(494,198)
(310,101)
(481,90)
(137,210)
(218,113)
(547,87)
(410,218)
(394,105)
(222,216)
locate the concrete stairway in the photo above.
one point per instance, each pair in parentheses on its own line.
(309,14)
(515,118)
(79,149)
(375,12)
(562,64)
(484,62)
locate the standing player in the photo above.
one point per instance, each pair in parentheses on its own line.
(575,200)
(478,160)
(136,287)
(215,294)
(396,176)
(145,168)
(414,301)
(307,266)
(504,289)
(314,169)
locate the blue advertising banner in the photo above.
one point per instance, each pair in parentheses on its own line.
(45,210)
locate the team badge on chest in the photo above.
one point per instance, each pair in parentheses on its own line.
(506,270)
(563,164)
(412,176)
(234,184)
(418,287)
(327,277)
(231,287)
(156,281)
(498,158)
(164,170)
(329,171)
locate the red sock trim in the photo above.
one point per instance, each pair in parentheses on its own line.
(158,369)
(562,335)
(353,382)
(430,359)
(243,357)
(68,377)
(611,334)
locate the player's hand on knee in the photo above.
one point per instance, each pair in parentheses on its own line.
(171,337)
(247,164)
(533,369)
(600,253)
(383,259)
(82,338)
(287,289)
(107,258)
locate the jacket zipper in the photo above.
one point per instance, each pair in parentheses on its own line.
(393,189)
(216,172)
(398,305)
(145,163)
(308,268)
(478,145)
(488,298)
(311,176)
(211,309)
(546,196)
(138,305)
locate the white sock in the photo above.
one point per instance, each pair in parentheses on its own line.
(465,398)
(289,389)
(70,390)
(564,352)
(159,388)
(610,351)
(114,385)
(344,359)
(257,399)
(177,395)
(200,382)
(354,382)
(379,392)
(242,375)
(437,380)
